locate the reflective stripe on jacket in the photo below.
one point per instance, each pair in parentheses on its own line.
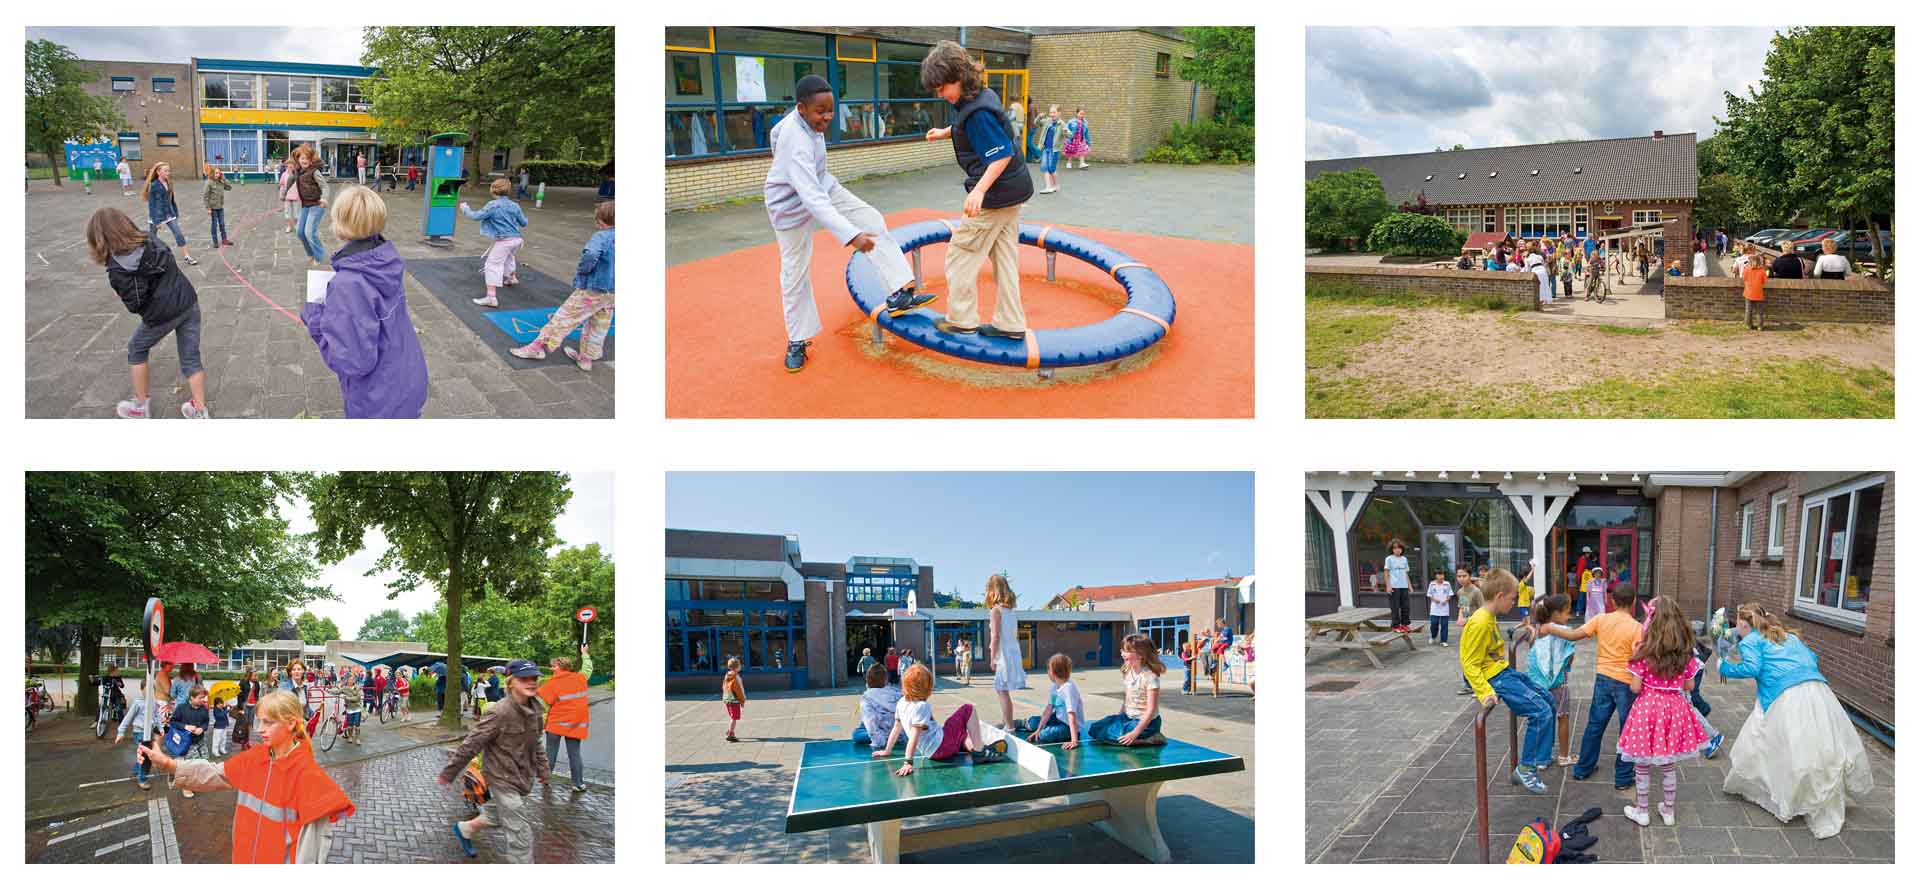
(276,798)
(566,698)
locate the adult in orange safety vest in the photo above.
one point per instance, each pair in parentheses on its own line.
(567,718)
(287,804)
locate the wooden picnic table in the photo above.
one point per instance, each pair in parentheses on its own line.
(1354,629)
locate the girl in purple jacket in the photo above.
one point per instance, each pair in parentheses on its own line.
(361,325)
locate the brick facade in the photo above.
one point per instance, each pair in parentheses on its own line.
(1858,664)
(1516,289)
(1130,109)
(1852,301)
(149,113)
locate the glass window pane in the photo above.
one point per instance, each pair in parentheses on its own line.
(700,651)
(676,651)
(277,88)
(756,41)
(1005,60)
(1590,516)
(799,648)
(732,644)
(723,590)
(1833,550)
(777,656)
(856,121)
(1440,511)
(691,134)
(1321,576)
(747,128)
(779,75)
(1810,536)
(689,77)
(854,79)
(901,118)
(687,36)
(903,52)
(1382,520)
(903,82)
(1865,543)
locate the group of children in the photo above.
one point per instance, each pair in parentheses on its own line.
(802,196)
(360,323)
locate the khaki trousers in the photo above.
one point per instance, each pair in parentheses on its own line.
(991,234)
(507,812)
(796,262)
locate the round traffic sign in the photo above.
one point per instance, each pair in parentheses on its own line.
(586,614)
(155,622)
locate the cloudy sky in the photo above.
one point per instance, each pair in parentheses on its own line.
(1396,91)
(587,519)
(325,46)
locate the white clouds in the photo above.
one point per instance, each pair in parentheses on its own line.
(1408,90)
(1326,140)
(325,46)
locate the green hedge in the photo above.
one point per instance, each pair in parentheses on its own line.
(1415,234)
(1205,142)
(564,173)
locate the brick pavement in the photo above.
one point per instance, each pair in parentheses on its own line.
(259,361)
(1390,777)
(727,802)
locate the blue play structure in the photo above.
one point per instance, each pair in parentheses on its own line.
(1147,317)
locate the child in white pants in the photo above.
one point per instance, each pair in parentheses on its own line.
(802,196)
(217,734)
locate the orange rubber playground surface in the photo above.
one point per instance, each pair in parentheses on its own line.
(726,342)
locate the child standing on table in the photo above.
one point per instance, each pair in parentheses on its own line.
(1064,718)
(501,220)
(150,284)
(1439,598)
(929,739)
(589,307)
(1483,660)
(996,187)
(1004,646)
(1663,728)
(877,706)
(802,196)
(1139,719)
(733,693)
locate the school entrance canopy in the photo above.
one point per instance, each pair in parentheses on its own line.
(420,659)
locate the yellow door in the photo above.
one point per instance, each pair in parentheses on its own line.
(1010,84)
(1026,647)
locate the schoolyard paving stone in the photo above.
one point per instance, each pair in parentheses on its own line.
(259,362)
(1414,802)
(1210,202)
(728,802)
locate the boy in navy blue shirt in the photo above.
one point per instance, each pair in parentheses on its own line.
(997,184)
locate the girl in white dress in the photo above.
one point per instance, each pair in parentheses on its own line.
(1004,643)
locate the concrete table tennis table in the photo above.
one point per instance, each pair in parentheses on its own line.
(1116,788)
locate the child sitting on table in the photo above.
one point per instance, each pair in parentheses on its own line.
(1063,719)
(877,706)
(931,740)
(1139,719)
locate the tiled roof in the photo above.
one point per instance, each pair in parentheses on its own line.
(1641,168)
(1123,591)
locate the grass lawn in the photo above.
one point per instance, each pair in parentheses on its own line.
(1388,357)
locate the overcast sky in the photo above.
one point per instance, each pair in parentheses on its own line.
(1377,91)
(587,519)
(319,45)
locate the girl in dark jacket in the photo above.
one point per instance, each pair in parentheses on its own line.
(151,285)
(162,210)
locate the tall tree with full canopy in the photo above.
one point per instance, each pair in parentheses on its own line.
(468,533)
(58,106)
(386,624)
(1223,61)
(213,546)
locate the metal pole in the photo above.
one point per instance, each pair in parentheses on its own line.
(1480,777)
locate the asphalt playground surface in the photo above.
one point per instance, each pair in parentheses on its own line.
(725,341)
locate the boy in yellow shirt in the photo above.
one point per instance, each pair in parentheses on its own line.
(1483,659)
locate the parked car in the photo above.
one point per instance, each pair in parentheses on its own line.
(1798,241)
(1862,243)
(1761,236)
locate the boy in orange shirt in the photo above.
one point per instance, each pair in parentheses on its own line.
(1753,279)
(1617,632)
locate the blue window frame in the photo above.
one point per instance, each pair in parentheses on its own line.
(876,100)
(880,588)
(945,633)
(1167,634)
(768,637)
(124,84)
(163,84)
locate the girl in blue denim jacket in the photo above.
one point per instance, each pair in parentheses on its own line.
(502,221)
(590,304)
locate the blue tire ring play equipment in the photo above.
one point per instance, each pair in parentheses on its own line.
(1147,317)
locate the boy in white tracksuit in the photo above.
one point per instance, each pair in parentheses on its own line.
(802,196)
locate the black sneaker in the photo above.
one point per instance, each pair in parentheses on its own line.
(797,355)
(905,300)
(946,327)
(987,330)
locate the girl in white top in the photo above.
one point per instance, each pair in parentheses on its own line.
(1699,264)
(1004,643)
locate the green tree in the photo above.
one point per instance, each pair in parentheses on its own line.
(1816,135)
(1344,205)
(387,624)
(212,545)
(1223,62)
(499,85)
(1718,203)
(576,577)
(315,629)
(1415,234)
(469,534)
(60,109)
(430,628)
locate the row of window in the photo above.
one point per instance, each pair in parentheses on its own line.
(701,641)
(283,92)
(1839,542)
(1534,222)
(1167,634)
(128,84)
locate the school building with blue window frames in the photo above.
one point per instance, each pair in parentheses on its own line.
(727,87)
(796,624)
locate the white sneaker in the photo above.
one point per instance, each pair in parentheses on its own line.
(1639,816)
(194,412)
(1666,816)
(486,301)
(185,793)
(131,409)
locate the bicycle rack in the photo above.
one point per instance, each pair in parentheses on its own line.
(1480,762)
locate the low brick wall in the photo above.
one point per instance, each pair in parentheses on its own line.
(1517,289)
(1852,301)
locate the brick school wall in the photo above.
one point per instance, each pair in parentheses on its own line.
(1515,289)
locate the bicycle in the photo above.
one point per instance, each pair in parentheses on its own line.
(37,701)
(112,707)
(325,725)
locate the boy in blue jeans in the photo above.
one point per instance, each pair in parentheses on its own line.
(877,706)
(1483,659)
(997,185)
(1065,717)
(802,196)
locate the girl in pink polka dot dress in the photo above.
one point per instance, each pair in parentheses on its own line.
(1662,729)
